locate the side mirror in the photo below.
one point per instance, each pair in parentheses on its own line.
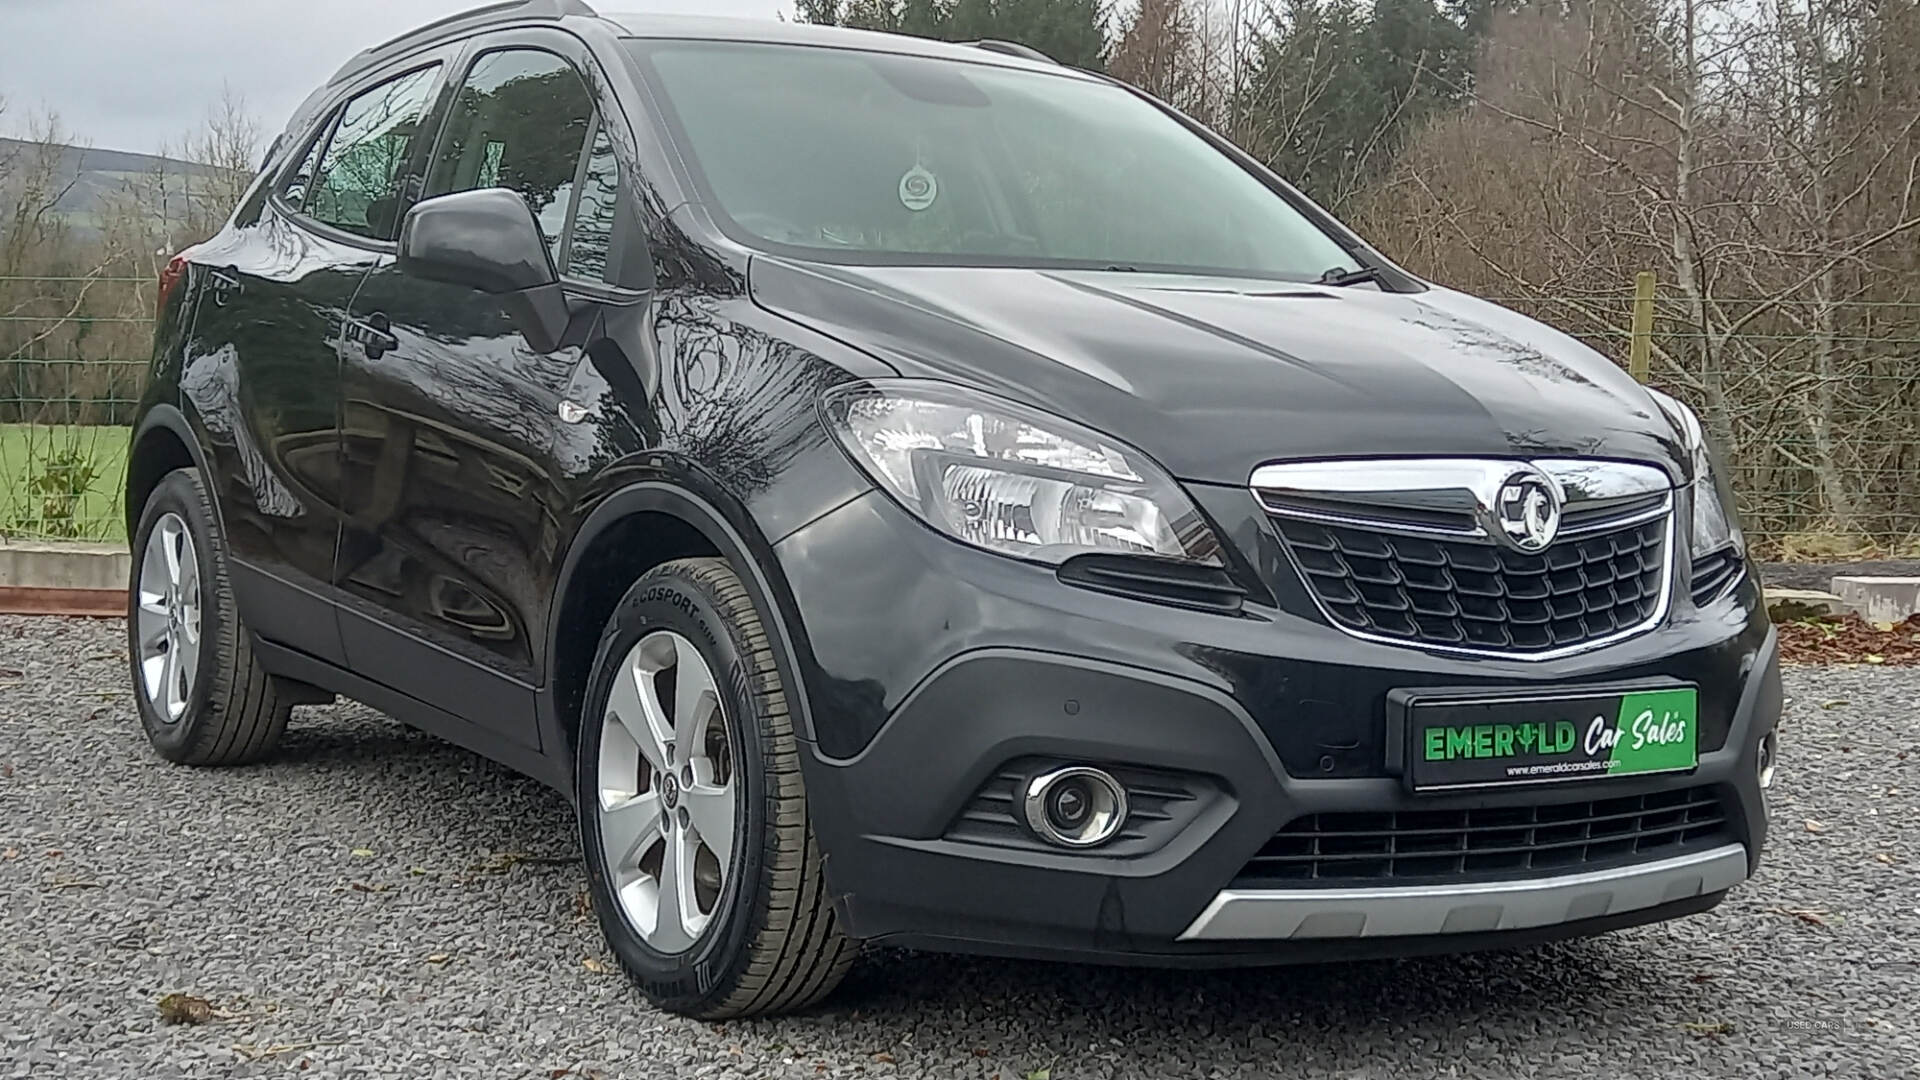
(488,240)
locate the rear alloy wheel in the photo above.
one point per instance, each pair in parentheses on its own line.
(202,698)
(693,815)
(167,618)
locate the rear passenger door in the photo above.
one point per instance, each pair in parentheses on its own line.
(262,379)
(448,554)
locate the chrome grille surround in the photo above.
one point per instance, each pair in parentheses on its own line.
(1455,500)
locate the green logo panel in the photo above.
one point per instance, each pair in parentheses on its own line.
(1656,731)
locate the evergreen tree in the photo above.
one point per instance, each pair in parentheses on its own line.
(823,12)
(1071,31)
(1336,88)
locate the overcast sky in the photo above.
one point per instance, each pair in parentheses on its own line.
(132,74)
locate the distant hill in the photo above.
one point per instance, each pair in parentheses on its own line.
(99,175)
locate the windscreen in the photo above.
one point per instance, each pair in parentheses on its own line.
(881,157)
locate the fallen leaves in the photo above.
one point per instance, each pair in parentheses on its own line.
(501,862)
(1709,1028)
(253,1052)
(362,853)
(595,966)
(1885,857)
(1814,826)
(185,1009)
(1849,639)
(439,958)
(1810,916)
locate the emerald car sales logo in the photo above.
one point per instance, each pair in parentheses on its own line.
(1648,731)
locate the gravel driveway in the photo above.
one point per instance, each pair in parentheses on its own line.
(378,903)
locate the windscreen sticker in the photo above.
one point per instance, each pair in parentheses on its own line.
(918,188)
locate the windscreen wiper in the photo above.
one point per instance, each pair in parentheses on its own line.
(1339,277)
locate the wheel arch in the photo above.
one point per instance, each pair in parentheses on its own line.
(162,442)
(629,532)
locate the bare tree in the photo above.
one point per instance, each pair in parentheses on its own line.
(1761,159)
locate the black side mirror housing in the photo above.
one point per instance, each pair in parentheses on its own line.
(489,240)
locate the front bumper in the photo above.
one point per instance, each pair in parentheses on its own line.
(933,669)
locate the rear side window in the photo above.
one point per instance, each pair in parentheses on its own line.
(520,121)
(297,185)
(355,184)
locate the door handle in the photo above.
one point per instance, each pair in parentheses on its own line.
(226,285)
(375,335)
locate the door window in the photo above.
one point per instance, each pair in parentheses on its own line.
(356,187)
(520,121)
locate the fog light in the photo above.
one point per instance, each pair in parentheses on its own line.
(1076,807)
(1768,747)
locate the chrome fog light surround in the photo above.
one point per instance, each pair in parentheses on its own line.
(1077,807)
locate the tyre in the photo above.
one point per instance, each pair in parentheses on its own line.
(693,817)
(202,697)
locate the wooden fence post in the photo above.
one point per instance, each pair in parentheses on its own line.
(1640,350)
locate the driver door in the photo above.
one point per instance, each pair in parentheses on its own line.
(448,549)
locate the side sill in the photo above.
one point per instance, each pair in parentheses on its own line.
(294,664)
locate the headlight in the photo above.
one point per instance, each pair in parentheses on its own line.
(1715,523)
(1014,480)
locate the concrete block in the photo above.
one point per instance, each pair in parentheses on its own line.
(1786,605)
(1880,599)
(35,564)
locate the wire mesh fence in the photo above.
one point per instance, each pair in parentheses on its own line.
(73,357)
(1815,403)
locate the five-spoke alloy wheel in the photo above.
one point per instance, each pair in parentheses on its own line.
(167,617)
(668,805)
(693,813)
(202,698)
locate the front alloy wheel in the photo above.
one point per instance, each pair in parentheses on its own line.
(668,806)
(693,814)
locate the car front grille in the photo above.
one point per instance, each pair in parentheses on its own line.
(1435,846)
(1474,595)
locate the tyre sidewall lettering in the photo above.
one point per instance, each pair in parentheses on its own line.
(675,605)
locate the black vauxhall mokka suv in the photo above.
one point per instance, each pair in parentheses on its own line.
(921,493)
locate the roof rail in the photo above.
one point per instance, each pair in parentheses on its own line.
(1014,48)
(465,20)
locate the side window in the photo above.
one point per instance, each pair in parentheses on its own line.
(356,186)
(520,121)
(297,185)
(592,234)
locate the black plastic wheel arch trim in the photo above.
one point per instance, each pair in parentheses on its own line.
(749,557)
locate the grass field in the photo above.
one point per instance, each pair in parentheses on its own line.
(40,468)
